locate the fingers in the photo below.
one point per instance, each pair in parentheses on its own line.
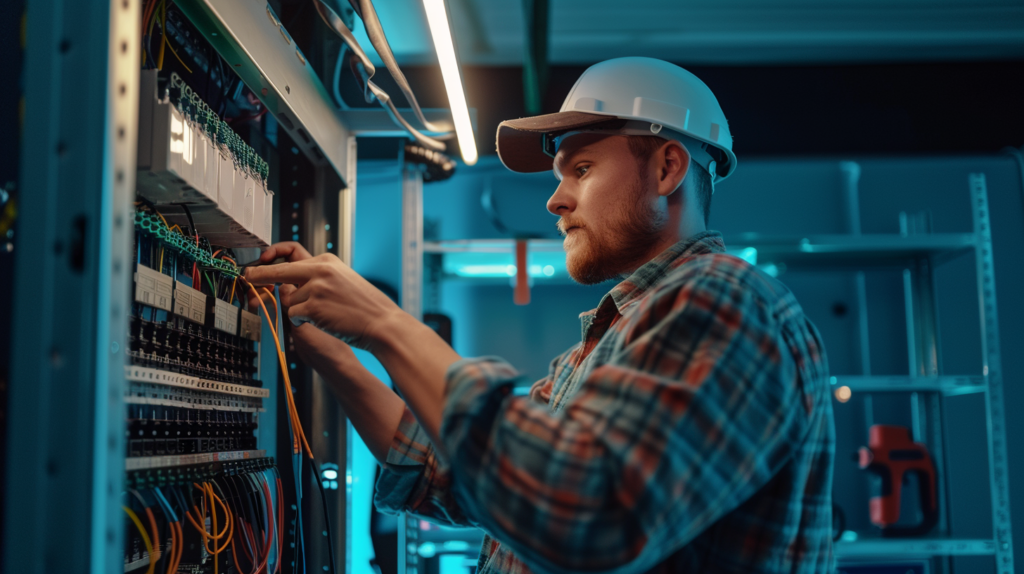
(293,273)
(286,294)
(297,295)
(289,250)
(301,313)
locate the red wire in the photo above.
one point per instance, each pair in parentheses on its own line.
(234,554)
(195,270)
(270,527)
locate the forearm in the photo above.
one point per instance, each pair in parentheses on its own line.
(374,409)
(417,360)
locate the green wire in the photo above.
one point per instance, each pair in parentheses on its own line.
(212,288)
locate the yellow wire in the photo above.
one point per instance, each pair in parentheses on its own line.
(160,57)
(161,259)
(162,218)
(177,56)
(232,298)
(142,531)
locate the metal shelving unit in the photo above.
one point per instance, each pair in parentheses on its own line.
(917,255)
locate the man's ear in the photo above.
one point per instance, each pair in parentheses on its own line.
(673,165)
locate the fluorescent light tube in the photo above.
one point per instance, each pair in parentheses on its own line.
(437,18)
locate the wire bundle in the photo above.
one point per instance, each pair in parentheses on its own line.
(149,19)
(300,445)
(242,512)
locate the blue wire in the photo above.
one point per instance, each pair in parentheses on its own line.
(166,505)
(297,467)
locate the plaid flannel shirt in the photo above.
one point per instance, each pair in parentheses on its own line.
(690,431)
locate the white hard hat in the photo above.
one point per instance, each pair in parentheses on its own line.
(631,96)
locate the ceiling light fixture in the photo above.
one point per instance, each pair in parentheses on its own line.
(440,31)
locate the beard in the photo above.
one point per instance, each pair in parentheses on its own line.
(596,256)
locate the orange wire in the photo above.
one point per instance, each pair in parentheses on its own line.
(213,516)
(274,299)
(287,380)
(181,547)
(202,529)
(227,515)
(174,546)
(156,541)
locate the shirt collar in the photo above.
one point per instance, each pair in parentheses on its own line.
(650,273)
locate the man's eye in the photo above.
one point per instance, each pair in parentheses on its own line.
(582,170)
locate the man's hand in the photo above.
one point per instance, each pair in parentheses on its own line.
(374,409)
(335,299)
(328,294)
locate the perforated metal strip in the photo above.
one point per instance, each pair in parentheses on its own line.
(992,370)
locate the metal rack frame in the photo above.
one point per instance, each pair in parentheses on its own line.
(65,461)
(917,254)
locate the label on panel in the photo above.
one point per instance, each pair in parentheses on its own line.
(249,326)
(189,303)
(153,288)
(225,317)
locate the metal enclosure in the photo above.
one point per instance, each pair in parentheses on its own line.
(65,464)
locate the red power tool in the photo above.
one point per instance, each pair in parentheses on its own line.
(892,455)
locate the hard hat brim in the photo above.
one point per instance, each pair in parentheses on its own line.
(520,142)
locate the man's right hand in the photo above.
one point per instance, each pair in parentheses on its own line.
(326,354)
(374,409)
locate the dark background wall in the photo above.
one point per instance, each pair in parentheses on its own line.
(797,110)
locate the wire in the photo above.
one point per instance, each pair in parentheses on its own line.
(202,529)
(296,426)
(375,32)
(153,556)
(213,290)
(333,21)
(163,34)
(171,519)
(337,76)
(385,100)
(142,531)
(327,518)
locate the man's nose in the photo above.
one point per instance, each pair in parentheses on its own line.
(561,201)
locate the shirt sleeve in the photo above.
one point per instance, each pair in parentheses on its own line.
(414,480)
(702,406)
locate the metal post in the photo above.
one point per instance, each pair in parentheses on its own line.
(993,373)
(412,303)
(412,241)
(347,208)
(328,425)
(66,428)
(851,187)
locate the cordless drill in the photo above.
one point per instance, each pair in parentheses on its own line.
(891,454)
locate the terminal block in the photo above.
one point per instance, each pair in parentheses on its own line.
(185,159)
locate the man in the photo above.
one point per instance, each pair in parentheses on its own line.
(691,428)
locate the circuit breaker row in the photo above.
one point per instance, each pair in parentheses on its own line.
(191,349)
(161,431)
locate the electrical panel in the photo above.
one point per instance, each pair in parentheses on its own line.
(198,480)
(188,156)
